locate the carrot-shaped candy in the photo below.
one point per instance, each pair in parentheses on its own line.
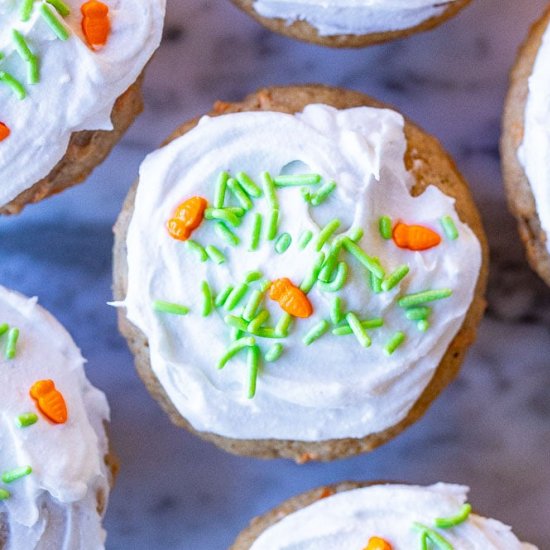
(50,401)
(4,131)
(95,23)
(188,216)
(415,237)
(377,543)
(290,298)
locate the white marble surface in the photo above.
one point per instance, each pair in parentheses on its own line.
(490,429)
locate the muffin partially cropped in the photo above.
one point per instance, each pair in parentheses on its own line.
(378,517)
(350,24)
(525,145)
(69,88)
(299,274)
(55,466)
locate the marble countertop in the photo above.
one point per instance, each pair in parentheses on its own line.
(490,429)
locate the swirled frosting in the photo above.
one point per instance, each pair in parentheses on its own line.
(78,86)
(534,152)
(348,519)
(333,17)
(333,388)
(55,506)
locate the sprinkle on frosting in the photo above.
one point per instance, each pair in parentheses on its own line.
(452,521)
(95,21)
(415,237)
(50,401)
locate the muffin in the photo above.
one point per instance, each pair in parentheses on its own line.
(299,274)
(344,24)
(525,146)
(70,78)
(56,467)
(378,517)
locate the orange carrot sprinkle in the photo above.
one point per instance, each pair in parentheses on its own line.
(50,401)
(290,298)
(188,216)
(95,23)
(4,131)
(377,543)
(415,237)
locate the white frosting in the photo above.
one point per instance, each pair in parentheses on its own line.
(347,520)
(332,17)
(534,152)
(54,506)
(78,86)
(333,388)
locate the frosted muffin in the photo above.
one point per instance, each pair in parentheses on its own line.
(55,465)
(525,145)
(299,274)
(378,517)
(69,88)
(347,24)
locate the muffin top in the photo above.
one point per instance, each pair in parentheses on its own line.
(356,17)
(63,64)
(395,517)
(53,473)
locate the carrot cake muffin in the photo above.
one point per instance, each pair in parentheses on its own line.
(378,517)
(69,88)
(299,274)
(55,466)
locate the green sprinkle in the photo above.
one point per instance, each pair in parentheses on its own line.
(236,322)
(214,254)
(436,538)
(424,541)
(297,179)
(449,227)
(207,303)
(196,248)
(367,324)
(356,234)
(249,185)
(236,210)
(372,264)
(26,419)
(258,321)
(4,328)
(282,243)
(252,305)
(336,313)
(316,332)
(460,517)
(252,276)
(304,239)
(274,353)
(395,341)
(272,225)
(419,313)
(283,325)
(306,194)
(235,348)
(235,334)
(423,297)
(26,10)
(221,187)
(236,295)
(269,190)
(375,283)
(17,473)
(17,88)
(55,25)
(222,296)
(226,234)
(60,6)
(395,278)
(323,194)
(330,264)
(4,495)
(357,328)
(423,325)
(239,193)
(223,214)
(266,333)
(169,307)
(33,71)
(11,345)
(311,279)
(385,227)
(256,232)
(253,361)
(326,233)
(21,46)
(339,281)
